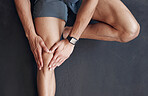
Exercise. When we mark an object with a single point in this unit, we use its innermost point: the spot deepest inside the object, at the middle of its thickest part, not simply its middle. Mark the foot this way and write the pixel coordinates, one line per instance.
(66, 31)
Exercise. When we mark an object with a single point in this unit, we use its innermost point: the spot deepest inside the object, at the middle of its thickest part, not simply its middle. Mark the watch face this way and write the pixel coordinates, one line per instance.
(73, 40)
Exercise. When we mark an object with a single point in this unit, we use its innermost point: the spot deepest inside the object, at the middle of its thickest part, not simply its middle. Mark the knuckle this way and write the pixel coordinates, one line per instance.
(34, 51)
(57, 61)
(41, 42)
(61, 56)
(39, 50)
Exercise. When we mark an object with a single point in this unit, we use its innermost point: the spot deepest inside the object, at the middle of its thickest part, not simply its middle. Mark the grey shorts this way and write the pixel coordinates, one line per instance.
(55, 8)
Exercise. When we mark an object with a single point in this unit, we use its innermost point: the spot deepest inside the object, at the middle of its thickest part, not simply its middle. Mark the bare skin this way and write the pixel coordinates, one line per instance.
(50, 30)
(118, 24)
(114, 26)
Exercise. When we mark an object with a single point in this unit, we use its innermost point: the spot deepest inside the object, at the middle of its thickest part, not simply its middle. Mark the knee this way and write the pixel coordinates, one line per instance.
(46, 57)
(130, 33)
(46, 60)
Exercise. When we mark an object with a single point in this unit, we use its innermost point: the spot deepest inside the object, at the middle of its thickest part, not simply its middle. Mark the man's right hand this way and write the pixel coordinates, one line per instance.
(37, 45)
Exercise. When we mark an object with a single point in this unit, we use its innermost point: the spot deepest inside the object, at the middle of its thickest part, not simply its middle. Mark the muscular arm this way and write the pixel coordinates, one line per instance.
(24, 11)
(36, 43)
(83, 17)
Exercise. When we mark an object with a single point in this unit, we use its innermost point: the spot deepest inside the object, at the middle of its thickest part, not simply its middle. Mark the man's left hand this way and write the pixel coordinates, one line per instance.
(62, 51)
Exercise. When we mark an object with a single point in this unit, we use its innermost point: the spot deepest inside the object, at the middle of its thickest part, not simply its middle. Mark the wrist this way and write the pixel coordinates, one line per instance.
(72, 40)
(31, 35)
(76, 36)
(67, 42)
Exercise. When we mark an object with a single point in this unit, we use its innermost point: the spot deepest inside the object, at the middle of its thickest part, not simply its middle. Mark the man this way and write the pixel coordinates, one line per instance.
(50, 16)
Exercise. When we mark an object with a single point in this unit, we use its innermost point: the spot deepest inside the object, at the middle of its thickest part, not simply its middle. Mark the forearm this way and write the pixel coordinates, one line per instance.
(83, 17)
(24, 11)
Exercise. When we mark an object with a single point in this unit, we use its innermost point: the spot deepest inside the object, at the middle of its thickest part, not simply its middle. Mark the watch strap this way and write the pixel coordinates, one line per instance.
(72, 40)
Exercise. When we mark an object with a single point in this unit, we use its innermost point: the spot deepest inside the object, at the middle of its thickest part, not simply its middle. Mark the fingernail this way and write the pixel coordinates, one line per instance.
(53, 68)
(53, 64)
(50, 66)
(47, 51)
(40, 68)
(50, 69)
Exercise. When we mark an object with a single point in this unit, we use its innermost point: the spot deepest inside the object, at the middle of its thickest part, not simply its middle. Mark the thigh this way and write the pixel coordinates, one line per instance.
(50, 30)
(49, 17)
(115, 13)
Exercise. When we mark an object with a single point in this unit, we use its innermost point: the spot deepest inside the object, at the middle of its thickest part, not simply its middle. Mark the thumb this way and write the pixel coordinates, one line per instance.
(54, 47)
(44, 47)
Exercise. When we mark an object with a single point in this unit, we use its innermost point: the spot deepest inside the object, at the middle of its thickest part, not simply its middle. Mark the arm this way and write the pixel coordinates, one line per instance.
(36, 43)
(83, 17)
(24, 11)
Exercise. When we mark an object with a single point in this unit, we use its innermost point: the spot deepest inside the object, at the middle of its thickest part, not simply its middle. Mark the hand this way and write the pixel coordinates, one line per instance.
(37, 44)
(62, 50)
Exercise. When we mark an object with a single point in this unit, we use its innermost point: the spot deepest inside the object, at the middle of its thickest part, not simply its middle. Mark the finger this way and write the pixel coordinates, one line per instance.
(53, 67)
(54, 47)
(53, 59)
(36, 59)
(61, 62)
(39, 51)
(44, 47)
(57, 60)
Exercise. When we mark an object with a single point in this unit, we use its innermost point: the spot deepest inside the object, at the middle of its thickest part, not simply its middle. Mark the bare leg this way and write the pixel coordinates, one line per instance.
(98, 31)
(117, 23)
(50, 30)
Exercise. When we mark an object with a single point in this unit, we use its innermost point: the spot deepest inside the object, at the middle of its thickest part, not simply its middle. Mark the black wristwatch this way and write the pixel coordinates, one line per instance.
(72, 40)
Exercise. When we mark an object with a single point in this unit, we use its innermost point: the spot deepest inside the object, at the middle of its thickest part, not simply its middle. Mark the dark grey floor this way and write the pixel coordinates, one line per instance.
(95, 68)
